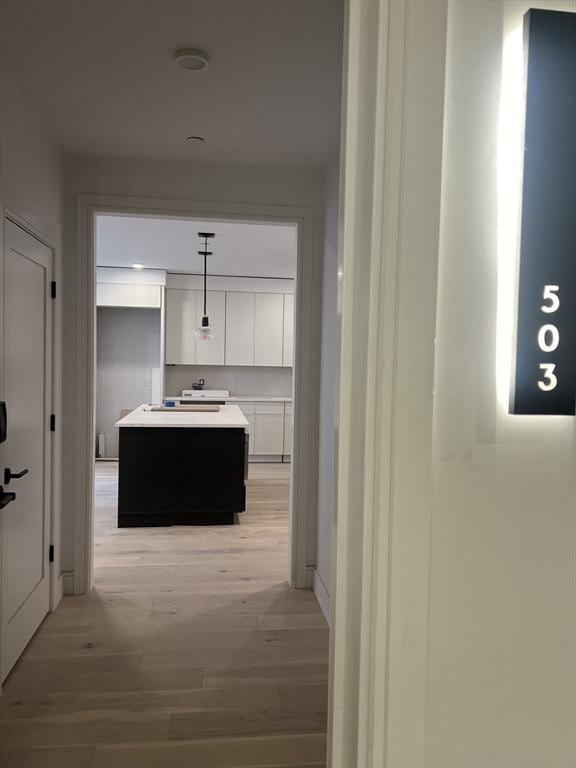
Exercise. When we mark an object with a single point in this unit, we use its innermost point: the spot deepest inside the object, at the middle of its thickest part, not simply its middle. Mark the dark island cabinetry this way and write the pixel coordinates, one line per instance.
(181, 476)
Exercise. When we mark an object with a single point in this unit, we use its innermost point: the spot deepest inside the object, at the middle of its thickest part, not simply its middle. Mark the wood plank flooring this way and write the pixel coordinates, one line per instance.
(191, 652)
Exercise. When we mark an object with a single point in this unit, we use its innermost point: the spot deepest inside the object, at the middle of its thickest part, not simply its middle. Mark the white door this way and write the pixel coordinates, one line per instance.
(181, 322)
(211, 351)
(26, 389)
(239, 328)
(268, 329)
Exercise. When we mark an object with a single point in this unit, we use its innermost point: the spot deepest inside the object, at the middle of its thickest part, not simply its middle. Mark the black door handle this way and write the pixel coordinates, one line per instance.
(5, 497)
(9, 475)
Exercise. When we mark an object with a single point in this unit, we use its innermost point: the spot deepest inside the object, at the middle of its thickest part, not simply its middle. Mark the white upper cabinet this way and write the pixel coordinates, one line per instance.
(184, 310)
(128, 295)
(211, 351)
(268, 329)
(239, 328)
(181, 322)
(288, 346)
(240, 317)
(253, 327)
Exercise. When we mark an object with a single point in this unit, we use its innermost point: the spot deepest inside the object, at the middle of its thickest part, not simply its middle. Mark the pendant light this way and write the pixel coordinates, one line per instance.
(204, 332)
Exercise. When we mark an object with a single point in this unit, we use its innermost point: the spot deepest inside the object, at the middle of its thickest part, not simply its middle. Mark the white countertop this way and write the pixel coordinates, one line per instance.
(227, 416)
(236, 399)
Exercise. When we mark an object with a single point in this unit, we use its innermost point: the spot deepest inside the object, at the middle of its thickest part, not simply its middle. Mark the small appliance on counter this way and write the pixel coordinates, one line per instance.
(198, 385)
(197, 394)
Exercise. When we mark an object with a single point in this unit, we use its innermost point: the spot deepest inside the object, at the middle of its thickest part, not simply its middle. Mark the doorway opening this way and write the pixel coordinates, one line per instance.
(149, 301)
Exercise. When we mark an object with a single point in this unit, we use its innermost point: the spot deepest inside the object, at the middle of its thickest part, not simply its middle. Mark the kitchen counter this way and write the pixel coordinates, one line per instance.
(182, 467)
(228, 416)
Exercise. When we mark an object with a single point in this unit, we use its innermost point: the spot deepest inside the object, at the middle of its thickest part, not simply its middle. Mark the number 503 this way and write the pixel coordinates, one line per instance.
(549, 337)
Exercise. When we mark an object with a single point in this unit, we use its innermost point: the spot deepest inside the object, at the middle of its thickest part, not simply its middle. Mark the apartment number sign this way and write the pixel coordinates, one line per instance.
(545, 372)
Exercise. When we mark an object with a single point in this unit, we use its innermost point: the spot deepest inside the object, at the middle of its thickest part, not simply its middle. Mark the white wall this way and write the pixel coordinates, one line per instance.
(128, 366)
(328, 433)
(31, 188)
(502, 640)
(183, 182)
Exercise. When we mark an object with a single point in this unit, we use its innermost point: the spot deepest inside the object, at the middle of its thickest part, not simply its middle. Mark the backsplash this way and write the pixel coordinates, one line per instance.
(240, 380)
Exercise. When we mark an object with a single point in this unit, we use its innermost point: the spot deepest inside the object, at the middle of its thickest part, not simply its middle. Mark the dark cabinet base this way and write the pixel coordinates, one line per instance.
(180, 476)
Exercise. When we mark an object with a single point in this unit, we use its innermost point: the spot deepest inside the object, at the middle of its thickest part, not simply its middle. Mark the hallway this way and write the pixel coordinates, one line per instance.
(191, 651)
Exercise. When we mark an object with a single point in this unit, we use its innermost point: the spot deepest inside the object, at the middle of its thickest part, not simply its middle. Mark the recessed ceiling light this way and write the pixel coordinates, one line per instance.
(137, 266)
(192, 59)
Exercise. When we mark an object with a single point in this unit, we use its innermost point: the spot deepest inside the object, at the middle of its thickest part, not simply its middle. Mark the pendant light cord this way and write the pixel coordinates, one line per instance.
(205, 253)
(205, 273)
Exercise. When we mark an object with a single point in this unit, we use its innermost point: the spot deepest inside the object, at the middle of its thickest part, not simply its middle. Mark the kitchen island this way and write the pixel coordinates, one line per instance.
(182, 468)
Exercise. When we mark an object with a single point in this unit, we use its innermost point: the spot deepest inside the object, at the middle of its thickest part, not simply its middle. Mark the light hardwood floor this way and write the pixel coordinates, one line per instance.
(191, 652)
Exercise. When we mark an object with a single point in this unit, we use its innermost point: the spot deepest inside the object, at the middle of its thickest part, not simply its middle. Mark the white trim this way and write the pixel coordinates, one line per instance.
(57, 593)
(322, 595)
(390, 215)
(304, 476)
(67, 582)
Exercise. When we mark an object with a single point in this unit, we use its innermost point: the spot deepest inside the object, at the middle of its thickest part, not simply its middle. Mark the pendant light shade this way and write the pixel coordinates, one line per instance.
(204, 332)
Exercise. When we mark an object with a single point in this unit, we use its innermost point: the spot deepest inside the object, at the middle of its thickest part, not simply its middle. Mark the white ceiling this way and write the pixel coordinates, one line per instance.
(101, 74)
(239, 248)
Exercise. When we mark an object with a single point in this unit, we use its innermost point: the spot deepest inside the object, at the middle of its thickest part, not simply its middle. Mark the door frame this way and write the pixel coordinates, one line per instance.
(54, 579)
(303, 499)
(391, 194)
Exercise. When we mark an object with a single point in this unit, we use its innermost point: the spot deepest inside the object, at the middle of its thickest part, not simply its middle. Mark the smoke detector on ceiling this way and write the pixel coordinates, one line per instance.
(192, 59)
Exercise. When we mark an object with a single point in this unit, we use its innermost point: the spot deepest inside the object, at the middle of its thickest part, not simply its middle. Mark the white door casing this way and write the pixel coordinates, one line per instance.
(391, 173)
(26, 388)
(303, 490)
(288, 341)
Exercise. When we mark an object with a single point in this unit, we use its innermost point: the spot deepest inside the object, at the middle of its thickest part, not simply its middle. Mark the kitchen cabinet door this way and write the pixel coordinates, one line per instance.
(269, 430)
(211, 351)
(268, 329)
(128, 295)
(288, 346)
(181, 322)
(239, 328)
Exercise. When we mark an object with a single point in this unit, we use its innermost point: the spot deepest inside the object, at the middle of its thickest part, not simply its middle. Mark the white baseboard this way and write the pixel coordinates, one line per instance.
(68, 582)
(322, 595)
(57, 592)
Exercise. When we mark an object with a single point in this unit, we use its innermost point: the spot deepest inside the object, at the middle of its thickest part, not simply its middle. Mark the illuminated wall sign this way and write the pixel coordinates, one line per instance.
(545, 376)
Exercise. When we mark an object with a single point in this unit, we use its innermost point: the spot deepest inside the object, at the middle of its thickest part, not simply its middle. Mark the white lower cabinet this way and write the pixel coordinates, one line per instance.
(266, 428)
(248, 411)
(269, 428)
